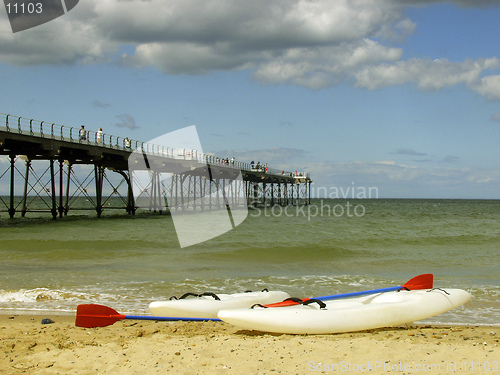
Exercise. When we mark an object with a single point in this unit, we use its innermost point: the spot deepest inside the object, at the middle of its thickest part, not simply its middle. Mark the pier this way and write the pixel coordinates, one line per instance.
(50, 168)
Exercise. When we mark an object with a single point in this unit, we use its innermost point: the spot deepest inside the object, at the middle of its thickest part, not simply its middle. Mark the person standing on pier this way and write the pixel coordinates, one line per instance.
(99, 135)
(83, 134)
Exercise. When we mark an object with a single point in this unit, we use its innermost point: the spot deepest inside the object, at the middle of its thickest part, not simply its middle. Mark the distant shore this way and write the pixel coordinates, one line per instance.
(148, 347)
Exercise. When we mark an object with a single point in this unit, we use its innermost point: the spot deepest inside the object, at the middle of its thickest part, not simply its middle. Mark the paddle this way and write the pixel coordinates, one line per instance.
(92, 315)
(424, 281)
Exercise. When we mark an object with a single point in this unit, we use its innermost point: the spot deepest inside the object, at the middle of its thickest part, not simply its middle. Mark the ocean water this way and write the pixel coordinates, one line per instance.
(332, 246)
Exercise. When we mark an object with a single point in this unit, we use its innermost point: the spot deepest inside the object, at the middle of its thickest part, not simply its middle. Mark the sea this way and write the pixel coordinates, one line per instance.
(332, 246)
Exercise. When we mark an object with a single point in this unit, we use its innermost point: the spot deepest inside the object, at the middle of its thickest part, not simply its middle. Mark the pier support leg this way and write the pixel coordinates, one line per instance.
(152, 196)
(68, 179)
(272, 193)
(189, 191)
(25, 195)
(210, 182)
(308, 193)
(130, 195)
(255, 194)
(12, 209)
(171, 201)
(61, 186)
(202, 192)
(176, 191)
(98, 170)
(159, 193)
(53, 210)
(130, 209)
(182, 178)
(217, 192)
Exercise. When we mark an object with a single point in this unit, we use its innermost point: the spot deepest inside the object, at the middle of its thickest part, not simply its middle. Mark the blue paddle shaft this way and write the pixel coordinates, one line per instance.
(363, 293)
(170, 318)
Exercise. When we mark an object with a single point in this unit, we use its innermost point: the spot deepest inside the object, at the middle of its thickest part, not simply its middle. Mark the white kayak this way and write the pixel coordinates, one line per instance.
(207, 306)
(348, 315)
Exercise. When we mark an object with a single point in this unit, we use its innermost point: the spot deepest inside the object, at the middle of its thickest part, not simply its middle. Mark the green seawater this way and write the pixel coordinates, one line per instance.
(128, 261)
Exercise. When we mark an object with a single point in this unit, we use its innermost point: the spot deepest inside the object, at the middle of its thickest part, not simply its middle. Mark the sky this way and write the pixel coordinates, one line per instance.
(398, 95)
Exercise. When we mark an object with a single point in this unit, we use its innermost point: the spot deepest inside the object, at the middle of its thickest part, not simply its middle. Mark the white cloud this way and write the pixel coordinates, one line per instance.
(324, 66)
(65, 40)
(427, 74)
(395, 180)
(489, 86)
(312, 43)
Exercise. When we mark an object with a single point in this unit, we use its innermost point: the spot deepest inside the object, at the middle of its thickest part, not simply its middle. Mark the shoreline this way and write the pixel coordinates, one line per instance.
(150, 347)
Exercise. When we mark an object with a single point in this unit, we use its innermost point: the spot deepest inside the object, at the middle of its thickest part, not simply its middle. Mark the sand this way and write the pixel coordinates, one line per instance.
(149, 347)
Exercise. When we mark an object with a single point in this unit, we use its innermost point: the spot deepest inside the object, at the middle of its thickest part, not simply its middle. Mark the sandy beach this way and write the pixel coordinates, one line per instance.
(149, 347)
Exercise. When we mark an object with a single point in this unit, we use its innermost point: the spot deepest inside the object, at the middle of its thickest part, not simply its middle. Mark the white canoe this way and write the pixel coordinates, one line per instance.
(208, 306)
(348, 315)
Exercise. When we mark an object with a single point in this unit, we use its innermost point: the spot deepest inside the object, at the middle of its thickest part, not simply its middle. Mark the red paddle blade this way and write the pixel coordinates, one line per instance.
(92, 315)
(425, 281)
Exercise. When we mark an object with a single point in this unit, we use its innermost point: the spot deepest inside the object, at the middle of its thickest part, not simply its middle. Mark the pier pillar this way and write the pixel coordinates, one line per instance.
(153, 195)
(159, 194)
(203, 182)
(130, 208)
(53, 210)
(193, 183)
(272, 193)
(280, 202)
(12, 209)
(255, 194)
(61, 186)
(99, 175)
(308, 192)
(176, 191)
(182, 178)
(25, 195)
(68, 179)
(210, 182)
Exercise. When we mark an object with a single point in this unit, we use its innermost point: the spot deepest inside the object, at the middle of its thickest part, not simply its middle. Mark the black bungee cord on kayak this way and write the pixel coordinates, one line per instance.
(442, 290)
(210, 294)
(189, 294)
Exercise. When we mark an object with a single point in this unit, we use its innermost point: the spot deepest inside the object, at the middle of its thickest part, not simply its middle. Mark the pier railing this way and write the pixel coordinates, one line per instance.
(47, 130)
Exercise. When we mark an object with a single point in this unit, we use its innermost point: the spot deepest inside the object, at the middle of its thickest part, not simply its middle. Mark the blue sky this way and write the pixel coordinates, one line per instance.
(399, 95)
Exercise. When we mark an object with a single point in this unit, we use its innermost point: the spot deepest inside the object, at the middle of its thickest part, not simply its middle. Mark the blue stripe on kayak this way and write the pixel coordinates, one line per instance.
(356, 294)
